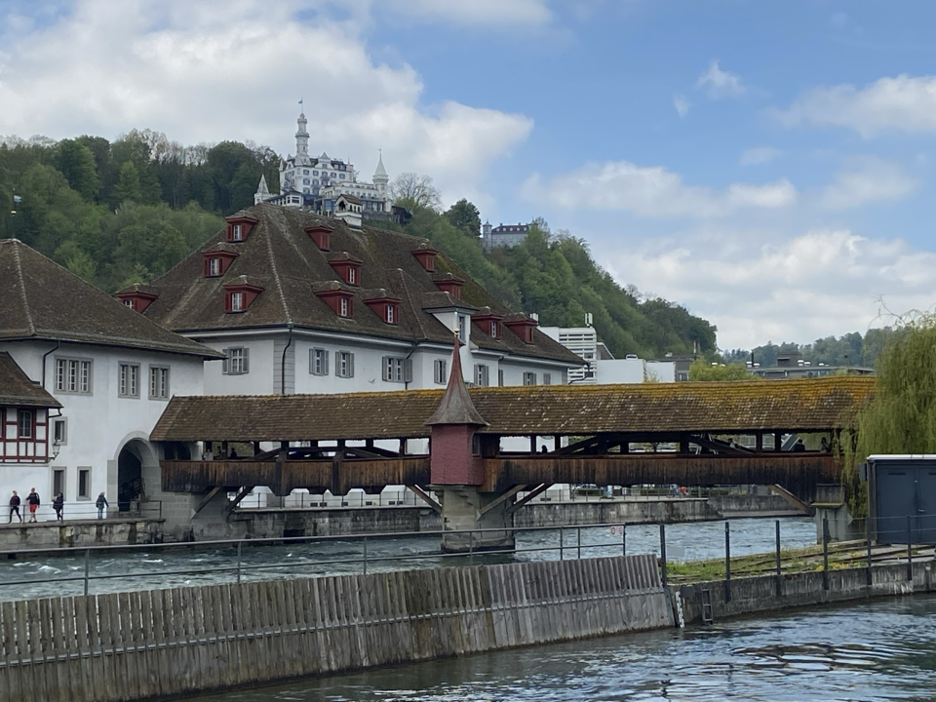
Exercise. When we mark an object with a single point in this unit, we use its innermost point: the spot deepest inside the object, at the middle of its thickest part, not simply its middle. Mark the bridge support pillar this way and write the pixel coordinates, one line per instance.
(486, 520)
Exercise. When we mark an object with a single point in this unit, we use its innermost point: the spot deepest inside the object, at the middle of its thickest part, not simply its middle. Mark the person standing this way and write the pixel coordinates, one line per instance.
(32, 499)
(101, 504)
(58, 504)
(14, 507)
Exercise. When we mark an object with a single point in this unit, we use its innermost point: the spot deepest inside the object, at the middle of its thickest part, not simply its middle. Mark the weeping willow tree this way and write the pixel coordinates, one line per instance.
(901, 416)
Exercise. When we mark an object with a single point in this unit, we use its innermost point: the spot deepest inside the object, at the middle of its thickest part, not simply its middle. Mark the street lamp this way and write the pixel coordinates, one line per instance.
(56, 447)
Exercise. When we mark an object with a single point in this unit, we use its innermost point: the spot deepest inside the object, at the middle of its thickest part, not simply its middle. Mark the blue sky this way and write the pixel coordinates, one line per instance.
(768, 165)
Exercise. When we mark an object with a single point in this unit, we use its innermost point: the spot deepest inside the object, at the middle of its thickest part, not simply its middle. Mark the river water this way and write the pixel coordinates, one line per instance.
(879, 650)
(173, 566)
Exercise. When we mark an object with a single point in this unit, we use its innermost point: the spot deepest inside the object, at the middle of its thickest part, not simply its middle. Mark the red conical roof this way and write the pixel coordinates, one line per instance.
(456, 406)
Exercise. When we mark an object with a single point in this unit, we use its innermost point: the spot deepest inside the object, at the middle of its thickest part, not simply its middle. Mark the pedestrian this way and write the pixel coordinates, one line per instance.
(799, 446)
(32, 499)
(101, 504)
(14, 507)
(57, 504)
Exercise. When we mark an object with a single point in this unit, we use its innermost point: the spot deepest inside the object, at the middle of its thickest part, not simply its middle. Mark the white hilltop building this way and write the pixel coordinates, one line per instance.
(316, 182)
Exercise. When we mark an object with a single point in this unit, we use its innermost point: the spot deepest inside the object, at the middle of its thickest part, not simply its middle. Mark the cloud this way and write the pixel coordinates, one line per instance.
(867, 181)
(758, 155)
(475, 13)
(214, 70)
(718, 83)
(821, 282)
(903, 103)
(681, 104)
(651, 192)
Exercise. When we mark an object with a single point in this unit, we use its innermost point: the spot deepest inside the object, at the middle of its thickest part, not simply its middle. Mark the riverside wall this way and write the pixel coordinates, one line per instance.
(160, 644)
(80, 532)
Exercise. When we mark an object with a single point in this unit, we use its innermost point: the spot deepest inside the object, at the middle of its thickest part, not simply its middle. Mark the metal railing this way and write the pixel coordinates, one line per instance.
(84, 510)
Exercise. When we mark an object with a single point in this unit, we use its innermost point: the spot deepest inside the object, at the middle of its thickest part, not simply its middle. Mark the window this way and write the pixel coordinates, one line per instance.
(25, 422)
(462, 328)
(237, 232)
(529, 378)
(305, 171)
(214, 267)
(482, 377)
(58, 481)
(84, 483)
(500, 378)
(391, 314)
(305, 181)
(493, 329)
(344, 362)
(237, 302)
(128, 380)
(343, 306)
(236, 362)
(352, 275)
(159, 383)
(318, 361)
(59, 431)
(314, 172)
(129, 302)
(440, 371)
(73, 375)
(397, 370)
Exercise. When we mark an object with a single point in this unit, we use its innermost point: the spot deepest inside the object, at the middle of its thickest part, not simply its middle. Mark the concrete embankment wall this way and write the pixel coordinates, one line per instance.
(759, 594)
(162, 643)
(89, 532)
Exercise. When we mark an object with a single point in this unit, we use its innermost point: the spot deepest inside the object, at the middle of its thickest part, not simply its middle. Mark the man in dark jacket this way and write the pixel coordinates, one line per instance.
(57, 504)
(14, 507)
(32, 499)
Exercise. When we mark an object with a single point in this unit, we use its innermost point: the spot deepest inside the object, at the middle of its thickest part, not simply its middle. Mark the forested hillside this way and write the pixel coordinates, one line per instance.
(126, 211)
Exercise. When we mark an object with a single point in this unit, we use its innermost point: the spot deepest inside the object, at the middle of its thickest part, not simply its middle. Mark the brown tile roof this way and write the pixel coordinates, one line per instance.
(286, 261)
(17, 390)
(819, 404)
(42, 300)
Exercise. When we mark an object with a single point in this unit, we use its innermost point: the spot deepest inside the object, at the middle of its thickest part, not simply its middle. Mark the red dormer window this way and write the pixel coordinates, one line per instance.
(321, 235)
(387, 308)
(239, 294)
(340, 301)
(238, 228)
(217, 262)
(349, 269)
(448, 283)
(523, 327)
(426, 255)
(136, 299)
(488, 323)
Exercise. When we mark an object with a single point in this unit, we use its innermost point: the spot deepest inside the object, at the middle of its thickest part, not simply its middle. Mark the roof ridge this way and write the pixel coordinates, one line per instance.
(276, 276)
(22, 285)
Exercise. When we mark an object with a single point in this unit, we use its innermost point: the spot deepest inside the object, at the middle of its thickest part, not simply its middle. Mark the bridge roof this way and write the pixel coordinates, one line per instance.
(817, 404)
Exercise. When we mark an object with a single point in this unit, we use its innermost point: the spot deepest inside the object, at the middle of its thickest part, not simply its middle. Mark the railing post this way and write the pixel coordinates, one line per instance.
(365, 554)
(471, 547)
(579, 546)
(561, 543)
(825, 553)
(623, 539)
(239, 544)
(727, 562)
(909, 550)
(87, 569)
(779, 571)
(663, 554)
(868, 575)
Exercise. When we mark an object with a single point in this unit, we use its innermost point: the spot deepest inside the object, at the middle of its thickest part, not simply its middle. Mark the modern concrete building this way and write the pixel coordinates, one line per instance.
(601, 366)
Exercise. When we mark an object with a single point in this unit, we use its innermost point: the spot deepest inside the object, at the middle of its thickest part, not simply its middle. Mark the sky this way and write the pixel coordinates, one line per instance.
(767, 165)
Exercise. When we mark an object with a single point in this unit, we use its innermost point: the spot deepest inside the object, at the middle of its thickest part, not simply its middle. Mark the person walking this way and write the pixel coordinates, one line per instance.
(57, 504)
(14, 507)
(101, 504)
(32, 499)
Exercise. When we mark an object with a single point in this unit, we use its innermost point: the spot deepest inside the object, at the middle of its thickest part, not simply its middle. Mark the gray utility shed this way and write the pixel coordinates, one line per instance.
(902, 492)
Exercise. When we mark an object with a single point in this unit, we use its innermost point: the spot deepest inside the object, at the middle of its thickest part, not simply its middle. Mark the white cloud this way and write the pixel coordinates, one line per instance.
(867, 181)
(475, 13)
(718, 83)
(235, 69)
(904, 103)
(758, 155)
(651, 192)
(822, 282)
(681, 104)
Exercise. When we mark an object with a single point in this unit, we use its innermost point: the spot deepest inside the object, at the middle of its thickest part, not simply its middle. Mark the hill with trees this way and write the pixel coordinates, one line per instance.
(122, 212)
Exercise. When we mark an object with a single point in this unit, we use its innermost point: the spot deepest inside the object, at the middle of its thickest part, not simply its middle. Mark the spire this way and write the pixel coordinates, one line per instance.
(381, 172)
(456, 406)
(302, 141)
(263, 192)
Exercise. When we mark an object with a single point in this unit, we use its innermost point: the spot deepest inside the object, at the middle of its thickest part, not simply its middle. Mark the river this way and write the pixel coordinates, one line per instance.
(174, 566)
(878, 650)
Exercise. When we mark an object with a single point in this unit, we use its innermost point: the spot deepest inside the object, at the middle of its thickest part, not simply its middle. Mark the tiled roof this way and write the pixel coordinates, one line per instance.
(285, 261)
(41, 300)
(456, 406)
(17, 390)
(819, 404)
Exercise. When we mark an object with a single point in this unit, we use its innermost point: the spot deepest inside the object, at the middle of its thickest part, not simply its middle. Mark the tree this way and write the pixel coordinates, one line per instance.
(128, 183)
(703, 370)
(76, 162)
(465, 216)
(417, 190)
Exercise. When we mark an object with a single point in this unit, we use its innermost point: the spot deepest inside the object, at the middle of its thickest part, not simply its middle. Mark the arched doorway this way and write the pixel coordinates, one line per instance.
(130, 473)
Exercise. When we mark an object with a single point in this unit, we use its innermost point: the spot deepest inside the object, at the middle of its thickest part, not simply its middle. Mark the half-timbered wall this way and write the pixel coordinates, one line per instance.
(24, 435)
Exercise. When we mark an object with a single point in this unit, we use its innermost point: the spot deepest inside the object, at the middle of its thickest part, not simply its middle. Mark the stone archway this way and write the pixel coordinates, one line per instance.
(132, 461)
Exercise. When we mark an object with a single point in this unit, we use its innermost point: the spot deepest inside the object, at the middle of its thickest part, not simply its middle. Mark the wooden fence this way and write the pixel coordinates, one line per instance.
(147, 645)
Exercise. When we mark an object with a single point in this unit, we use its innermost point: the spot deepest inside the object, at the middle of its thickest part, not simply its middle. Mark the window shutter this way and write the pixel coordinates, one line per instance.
(350, 365)
(408, 370)
(385, 367)
(246, 360)
(325, 356)
(226, 365)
